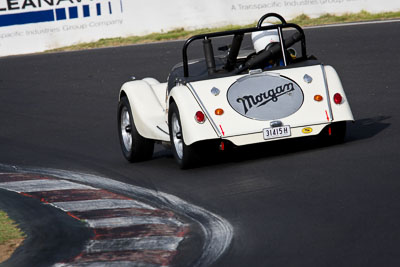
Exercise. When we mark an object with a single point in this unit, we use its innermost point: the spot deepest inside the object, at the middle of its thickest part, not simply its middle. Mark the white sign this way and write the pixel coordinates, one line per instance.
(28, 26)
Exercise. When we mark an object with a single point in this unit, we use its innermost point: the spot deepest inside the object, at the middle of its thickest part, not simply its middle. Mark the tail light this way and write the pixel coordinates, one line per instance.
(199, 117)
(337, 98)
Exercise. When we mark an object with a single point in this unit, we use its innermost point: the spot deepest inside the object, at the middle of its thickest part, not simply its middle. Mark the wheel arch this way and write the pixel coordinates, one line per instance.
(146, 110)
(342, 111)
(122, 94)
(187, 107)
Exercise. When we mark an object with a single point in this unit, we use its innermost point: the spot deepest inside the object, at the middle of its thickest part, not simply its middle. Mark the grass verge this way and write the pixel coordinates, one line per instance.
(10, 236)
(303, 20)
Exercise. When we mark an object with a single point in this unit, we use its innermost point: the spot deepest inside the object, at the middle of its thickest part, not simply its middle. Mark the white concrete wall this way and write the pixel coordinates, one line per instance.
(28, 26)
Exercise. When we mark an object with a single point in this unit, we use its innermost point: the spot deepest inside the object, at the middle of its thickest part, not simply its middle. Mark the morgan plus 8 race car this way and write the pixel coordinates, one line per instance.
(242, 97)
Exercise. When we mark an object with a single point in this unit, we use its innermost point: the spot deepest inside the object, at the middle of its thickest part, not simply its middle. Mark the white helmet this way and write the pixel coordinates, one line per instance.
(263, 38)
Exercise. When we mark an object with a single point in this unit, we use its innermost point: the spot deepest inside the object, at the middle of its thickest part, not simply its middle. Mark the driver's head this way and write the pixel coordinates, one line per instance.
(263, 38)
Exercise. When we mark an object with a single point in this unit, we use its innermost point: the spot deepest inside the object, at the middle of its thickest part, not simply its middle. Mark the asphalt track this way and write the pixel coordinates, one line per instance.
(290, 204)
(45, 229)
(115, 229)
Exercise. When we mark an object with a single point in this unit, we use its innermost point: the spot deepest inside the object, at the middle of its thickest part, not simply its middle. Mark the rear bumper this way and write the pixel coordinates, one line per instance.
(253, 138)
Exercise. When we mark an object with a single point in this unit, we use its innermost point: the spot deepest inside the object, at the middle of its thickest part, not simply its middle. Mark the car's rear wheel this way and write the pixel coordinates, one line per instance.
(183, 154)
(134, 146)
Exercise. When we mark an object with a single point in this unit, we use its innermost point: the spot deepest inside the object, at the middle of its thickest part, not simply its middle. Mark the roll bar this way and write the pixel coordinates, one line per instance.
(261, 20)
(239, 32)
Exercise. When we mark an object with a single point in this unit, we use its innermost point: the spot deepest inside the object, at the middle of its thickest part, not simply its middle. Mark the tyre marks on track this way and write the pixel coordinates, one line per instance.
(217, 233)
(127, 232)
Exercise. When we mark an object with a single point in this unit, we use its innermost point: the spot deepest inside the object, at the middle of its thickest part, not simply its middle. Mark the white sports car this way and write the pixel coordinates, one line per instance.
(243, 97)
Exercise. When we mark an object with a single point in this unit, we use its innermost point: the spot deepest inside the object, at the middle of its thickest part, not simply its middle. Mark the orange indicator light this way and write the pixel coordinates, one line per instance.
(318, 98)
(219, 111)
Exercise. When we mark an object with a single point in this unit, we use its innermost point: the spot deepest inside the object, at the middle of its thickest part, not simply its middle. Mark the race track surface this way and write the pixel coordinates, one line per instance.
(115, 229)
(45, 229)
(290, 204)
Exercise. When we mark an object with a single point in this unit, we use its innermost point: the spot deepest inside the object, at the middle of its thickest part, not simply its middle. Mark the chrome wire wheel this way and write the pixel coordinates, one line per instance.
(177, 136)
(126, 129)
(185, 155)
(134, 147)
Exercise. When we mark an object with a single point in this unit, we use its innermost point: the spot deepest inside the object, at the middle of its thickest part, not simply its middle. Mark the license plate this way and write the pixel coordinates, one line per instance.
(277, 132)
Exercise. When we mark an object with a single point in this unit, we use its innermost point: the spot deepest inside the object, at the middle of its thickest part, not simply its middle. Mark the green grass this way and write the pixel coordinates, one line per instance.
(8, 229)
(304, 20)
(181, 33)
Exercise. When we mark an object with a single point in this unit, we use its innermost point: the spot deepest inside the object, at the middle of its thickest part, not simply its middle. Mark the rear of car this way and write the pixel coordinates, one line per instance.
(270, 105)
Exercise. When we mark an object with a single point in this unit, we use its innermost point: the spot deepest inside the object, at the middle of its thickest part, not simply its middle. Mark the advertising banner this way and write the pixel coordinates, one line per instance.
(28, 26)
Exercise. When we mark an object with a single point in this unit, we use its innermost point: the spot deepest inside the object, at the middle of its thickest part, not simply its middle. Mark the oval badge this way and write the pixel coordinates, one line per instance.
(307, 130)
(265, 97)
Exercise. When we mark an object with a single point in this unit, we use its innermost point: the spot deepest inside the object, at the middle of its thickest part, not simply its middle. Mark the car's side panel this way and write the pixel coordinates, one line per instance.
(147, 109)
(341, 112)
(159, 90)
(188, 106)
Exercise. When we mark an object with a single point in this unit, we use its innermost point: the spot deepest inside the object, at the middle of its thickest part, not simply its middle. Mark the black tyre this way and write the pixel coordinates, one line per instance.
(334, 133)
(184, 155)
(134, 146)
